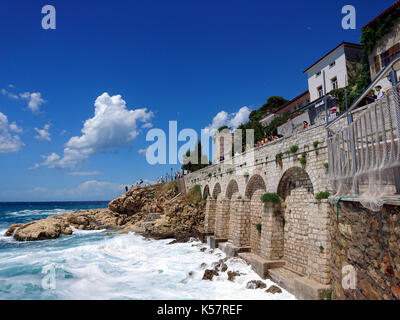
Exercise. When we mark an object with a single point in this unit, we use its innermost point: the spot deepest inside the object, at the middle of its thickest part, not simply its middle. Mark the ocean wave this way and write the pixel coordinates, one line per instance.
(37, 212)
(76, 231)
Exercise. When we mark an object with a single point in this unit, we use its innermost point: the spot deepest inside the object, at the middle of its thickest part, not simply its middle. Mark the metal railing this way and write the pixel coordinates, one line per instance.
(372, 85)
(369, 144)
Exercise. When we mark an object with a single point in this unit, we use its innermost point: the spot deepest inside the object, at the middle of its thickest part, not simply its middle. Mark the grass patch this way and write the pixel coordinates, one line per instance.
(270, 198)
(322, 195)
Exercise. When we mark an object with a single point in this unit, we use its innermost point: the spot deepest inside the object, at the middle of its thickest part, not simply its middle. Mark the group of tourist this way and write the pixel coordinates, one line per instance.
(266, 140)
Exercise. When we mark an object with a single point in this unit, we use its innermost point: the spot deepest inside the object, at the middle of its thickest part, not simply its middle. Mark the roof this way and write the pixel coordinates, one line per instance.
(394, 7)
(293, 100)
(344, 43)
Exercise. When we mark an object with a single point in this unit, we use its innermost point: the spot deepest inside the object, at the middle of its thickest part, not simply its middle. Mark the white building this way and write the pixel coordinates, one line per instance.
(336, 65)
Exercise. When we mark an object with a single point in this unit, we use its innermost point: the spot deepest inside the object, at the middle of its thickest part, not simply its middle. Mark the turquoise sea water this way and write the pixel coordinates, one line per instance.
(89, 265)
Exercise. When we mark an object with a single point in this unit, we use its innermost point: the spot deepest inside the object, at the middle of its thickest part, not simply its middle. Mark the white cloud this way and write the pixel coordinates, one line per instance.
(9, 94)
(8, 142)
(34, 100)
(142, 151)
(112, 126)
(85, 173)
(15, 128)
(232, 120)
(43, 134)
(87, 191)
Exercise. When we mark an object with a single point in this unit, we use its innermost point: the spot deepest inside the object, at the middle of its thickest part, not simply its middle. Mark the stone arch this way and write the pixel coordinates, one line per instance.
(216, 190)
(255, 183)
(232, 188)
(206, 192)
(294, 178)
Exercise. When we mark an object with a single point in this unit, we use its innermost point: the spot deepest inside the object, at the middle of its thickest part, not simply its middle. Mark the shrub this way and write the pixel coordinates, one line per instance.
(315, 144)
(209, 175)
(303, 161)
(258, 226)
(321, 249)
(322, 195)
(278, 159)
(326, 165)
(246, 174)
(270, 198)
(294, 149)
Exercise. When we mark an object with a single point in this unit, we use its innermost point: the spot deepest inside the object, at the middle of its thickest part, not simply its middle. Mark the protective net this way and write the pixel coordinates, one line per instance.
(364, 158)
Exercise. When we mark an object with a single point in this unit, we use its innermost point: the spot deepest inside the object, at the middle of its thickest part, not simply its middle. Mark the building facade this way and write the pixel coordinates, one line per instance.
(387, 47)
(336, 65)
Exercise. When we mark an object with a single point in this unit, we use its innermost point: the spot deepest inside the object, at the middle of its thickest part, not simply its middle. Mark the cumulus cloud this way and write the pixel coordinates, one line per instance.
(15, 128)
(34, 99)
(9, 142)
(43, 134)
(232, 120)
(112, 126)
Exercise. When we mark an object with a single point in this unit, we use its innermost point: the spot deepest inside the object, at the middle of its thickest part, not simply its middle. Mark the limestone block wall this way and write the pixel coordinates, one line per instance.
(369, 244)
(256, 212)
(272, 236)
(296, 229)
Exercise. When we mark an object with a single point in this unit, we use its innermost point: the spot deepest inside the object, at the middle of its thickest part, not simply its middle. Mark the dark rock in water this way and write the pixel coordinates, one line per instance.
(209, 274)
(203, 249)
(273, 289)
(224, 267)
(203, 265)
(232, 275)
(256, 284)
(191, 273)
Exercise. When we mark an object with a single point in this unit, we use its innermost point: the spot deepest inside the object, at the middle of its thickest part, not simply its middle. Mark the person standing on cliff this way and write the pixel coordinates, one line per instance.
(126, 188)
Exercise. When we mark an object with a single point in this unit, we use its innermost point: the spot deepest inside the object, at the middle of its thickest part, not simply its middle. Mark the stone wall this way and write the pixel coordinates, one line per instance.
(365, 245)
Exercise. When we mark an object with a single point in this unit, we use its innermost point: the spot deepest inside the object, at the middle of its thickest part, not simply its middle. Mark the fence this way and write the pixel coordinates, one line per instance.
(364, 156)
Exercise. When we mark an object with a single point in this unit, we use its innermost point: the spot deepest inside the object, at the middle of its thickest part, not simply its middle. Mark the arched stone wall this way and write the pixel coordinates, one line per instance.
(225, 211)
(216, 190)
(256, 212)
(293, 178)
(231, 189)
(256, 182)
(206, 192)
(248, 214)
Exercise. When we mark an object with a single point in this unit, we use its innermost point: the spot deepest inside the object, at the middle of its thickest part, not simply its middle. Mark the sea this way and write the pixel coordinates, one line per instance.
(91, 265)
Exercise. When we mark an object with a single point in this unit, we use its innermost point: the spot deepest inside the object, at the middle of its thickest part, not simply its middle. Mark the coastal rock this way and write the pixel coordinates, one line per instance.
(157, 212)
(273, 289)
(232, 275)
(13, 228)
(49, 228)
(209, 274)
(256, 284)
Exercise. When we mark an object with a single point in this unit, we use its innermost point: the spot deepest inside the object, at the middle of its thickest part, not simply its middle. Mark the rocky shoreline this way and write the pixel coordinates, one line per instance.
(157, 211)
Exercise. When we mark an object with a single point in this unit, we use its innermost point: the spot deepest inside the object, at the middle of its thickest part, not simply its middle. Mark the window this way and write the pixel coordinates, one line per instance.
(385, 58)
(377, 64)
(332, 64)
(334, 83)
(318, 74)
(320, 91)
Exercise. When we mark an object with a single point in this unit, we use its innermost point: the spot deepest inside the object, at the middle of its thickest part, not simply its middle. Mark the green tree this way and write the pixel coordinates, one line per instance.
(195, 160)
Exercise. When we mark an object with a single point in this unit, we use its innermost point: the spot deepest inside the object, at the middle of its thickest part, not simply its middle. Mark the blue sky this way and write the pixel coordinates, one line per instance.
(168, 60)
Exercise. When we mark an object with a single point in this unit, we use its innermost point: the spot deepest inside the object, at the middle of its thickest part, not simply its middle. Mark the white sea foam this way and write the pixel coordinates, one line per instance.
(76, 231)
(123, 267)
(45, 212)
